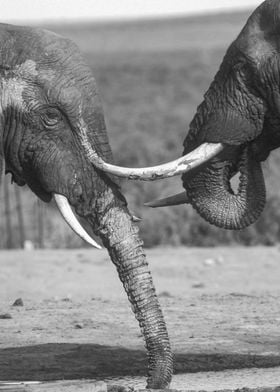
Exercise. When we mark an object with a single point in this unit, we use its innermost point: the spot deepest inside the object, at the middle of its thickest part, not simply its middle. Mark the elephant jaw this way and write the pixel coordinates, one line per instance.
(46, 193)
(69, 217)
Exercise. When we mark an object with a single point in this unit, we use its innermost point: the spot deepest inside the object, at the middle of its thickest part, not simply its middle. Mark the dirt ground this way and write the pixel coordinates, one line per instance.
(221, 306)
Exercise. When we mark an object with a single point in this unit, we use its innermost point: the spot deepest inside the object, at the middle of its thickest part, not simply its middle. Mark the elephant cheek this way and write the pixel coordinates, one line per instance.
(210, 193)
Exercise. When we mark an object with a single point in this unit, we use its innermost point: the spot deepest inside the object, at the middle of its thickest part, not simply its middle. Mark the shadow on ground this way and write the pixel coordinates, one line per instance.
(70, 361)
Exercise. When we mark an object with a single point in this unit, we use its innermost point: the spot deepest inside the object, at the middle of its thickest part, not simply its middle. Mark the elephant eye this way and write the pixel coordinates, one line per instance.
(51, 117)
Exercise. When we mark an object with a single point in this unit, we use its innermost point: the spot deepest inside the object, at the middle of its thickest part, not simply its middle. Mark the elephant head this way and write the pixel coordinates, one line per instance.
(50, 115)
(241, 114)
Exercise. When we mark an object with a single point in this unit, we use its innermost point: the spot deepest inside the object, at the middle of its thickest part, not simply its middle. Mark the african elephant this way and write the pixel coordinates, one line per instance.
(237, 125)
(50, 114)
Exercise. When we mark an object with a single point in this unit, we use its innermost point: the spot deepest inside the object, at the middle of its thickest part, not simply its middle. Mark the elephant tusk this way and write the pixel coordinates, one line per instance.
(195, 158)
(180, 198)
(136, 218)
(69, 217)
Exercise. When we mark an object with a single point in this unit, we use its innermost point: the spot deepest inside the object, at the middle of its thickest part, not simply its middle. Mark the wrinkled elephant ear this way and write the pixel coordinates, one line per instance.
(258, 39)
(249, 70)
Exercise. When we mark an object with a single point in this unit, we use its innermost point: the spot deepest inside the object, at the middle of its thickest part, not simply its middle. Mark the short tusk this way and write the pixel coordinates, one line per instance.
(136, 218)
(69, 217)
(181, 165)
(180, 198)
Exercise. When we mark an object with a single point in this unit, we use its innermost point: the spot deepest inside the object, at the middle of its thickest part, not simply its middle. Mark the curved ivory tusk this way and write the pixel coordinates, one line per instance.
(180, 198)
(181, 165)
(69, 217)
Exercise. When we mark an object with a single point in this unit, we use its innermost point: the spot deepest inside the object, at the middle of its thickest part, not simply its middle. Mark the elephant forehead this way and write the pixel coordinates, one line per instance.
(28, 69)
(60, 84)
(13, 93)
(15, 83)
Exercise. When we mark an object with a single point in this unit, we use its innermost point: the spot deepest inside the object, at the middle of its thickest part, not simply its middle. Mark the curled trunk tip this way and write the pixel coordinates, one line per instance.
(211, 195)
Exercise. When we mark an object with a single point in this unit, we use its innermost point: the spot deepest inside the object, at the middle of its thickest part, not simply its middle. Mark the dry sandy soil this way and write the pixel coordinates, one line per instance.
(221, 307)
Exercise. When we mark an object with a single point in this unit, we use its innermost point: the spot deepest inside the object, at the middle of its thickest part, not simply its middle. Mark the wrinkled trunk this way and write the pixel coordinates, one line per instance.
(120, 236)
(210, 192)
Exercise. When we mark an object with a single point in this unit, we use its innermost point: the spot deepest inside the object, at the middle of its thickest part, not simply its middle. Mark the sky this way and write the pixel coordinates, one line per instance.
(47, 10)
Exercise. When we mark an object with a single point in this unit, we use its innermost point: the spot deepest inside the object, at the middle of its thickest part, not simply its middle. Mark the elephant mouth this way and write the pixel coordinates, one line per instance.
(39, 190)
(34, 185)
(70, 218)
(44, 195)
(63, 204)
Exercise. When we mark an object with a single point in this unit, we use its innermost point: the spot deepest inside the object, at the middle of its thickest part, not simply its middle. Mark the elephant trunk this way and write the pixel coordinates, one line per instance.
(210, 193)
(120, 236)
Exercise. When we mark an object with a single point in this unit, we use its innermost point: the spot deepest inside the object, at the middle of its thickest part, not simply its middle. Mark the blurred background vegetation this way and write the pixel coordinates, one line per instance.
(151, 75)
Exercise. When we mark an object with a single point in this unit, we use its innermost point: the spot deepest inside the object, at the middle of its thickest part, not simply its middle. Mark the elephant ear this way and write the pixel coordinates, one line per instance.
(259, 41)
(251, 70)
(259, 38)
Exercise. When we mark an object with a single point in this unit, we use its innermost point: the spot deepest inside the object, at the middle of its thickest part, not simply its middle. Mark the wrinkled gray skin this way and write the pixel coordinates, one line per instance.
(48, 95)
(242, 110)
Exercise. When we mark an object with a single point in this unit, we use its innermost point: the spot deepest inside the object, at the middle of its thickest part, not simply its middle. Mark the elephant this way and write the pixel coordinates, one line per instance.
(233, 131)
(50, 114)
